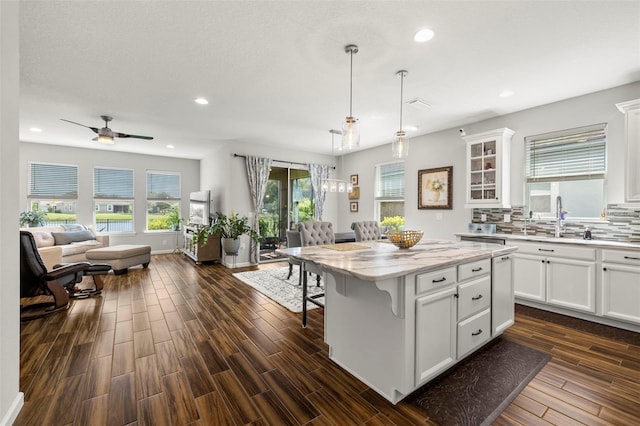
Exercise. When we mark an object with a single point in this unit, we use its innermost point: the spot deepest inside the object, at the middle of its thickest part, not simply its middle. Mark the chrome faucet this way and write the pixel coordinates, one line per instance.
(558, 227)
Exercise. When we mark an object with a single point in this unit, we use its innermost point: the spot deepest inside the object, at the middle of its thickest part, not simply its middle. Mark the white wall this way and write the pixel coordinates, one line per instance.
(446, 148)
(226, 177)
(11, 400)
(87, 159)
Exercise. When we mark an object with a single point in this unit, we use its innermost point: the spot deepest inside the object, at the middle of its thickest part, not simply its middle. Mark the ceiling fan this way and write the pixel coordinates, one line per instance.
(106, 135)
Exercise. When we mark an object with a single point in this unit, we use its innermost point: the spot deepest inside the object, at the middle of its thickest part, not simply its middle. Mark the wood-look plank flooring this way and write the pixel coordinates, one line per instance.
(182, 344)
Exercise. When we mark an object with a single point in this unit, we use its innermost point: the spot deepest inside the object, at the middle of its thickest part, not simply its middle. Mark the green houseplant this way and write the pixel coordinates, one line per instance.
(229, 228)
(32, 218)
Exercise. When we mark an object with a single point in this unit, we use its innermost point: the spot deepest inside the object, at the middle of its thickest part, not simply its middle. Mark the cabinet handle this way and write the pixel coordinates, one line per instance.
(549, 250)
(548, 261)
(604, 269)
(476, 269)
(632, 258)
(505, 258)
(477, 333)
(542, 261)
(439, 281)
(478, 297)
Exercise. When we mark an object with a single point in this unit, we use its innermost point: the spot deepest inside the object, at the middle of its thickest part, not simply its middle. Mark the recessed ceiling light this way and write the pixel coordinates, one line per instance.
(506, 93)
(412, 128)
(423, 35)
(35, 129)
(202, 101)
(170, 146)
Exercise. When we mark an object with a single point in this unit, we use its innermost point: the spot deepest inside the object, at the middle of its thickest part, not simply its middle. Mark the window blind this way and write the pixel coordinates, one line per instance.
(53, 181)
(390, 181)
(163, 186)
(575, 154)
(112, 183)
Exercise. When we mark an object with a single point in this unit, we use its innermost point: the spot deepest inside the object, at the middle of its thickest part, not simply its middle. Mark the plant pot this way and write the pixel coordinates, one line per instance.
(231, 246)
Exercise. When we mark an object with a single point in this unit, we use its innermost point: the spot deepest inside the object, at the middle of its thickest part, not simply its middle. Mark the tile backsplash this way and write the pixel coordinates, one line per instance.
(622, 223)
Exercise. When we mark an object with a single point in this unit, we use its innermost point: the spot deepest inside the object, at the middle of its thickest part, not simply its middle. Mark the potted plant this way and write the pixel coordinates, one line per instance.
(229, 228)
(32, 218)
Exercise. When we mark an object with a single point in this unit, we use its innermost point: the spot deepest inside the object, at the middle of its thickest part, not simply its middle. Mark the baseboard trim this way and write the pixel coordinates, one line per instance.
(12, 414)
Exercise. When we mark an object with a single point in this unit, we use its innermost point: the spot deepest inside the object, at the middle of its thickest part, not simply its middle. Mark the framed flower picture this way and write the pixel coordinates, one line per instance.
(353, 206)
(435, 188)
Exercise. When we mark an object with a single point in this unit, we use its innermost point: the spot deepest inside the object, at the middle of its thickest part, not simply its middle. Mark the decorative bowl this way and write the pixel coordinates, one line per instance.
(404, 239)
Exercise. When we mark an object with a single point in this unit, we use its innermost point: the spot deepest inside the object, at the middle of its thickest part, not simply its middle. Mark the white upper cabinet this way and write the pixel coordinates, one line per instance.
(488, 169)
(631, 111)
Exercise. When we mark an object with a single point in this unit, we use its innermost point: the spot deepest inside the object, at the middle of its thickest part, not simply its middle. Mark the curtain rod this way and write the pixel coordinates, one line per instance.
(280, 161)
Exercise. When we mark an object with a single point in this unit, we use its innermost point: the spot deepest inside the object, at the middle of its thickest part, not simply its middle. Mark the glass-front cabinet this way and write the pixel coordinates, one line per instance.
(488, 169)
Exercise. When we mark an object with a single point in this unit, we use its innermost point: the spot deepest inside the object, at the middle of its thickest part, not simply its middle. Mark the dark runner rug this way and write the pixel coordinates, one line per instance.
(476, 390)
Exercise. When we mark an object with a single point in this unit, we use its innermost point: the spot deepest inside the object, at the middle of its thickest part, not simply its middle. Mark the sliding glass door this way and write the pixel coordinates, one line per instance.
(288, 200)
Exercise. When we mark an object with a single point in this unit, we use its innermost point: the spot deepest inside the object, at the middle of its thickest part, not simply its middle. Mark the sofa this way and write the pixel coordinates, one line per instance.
(66, 243)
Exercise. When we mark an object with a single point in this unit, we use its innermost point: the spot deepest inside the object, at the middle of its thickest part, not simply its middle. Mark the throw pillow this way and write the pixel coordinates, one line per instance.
(74, 227)
(63, 238)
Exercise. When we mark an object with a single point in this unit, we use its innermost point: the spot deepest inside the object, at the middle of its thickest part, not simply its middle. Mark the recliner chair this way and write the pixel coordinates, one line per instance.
(36, 280)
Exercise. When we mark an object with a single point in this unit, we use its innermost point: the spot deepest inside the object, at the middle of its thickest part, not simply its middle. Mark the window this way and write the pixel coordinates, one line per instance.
(570, 164)
(113, 198)
(163, 200)
(389, 195)
(53, 189)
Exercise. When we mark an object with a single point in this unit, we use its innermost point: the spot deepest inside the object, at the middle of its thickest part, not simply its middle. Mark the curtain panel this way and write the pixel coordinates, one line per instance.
(318, 173)
(258, 175)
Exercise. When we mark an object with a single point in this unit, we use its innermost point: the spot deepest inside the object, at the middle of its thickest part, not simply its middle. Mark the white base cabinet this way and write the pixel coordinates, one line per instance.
(620, 294)
(502, 294)
(436, 333)
(560, 276)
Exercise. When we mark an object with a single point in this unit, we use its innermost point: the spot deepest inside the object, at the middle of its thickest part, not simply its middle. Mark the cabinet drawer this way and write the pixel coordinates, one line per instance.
(473, 332)
(430, 280)
(474, 296)
(474, 269)
(558, 250)
(628, 257)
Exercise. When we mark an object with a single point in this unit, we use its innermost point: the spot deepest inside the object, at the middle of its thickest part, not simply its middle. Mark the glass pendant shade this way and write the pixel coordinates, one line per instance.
(350, 134)
(342, 186)
(333, 186)
(325, 186)
(400, 144)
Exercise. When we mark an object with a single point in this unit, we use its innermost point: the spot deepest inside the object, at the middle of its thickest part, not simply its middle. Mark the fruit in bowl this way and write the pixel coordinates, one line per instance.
(404, 239)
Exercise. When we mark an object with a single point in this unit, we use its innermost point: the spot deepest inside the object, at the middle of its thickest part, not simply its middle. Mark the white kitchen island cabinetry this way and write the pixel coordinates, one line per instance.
(394, 318)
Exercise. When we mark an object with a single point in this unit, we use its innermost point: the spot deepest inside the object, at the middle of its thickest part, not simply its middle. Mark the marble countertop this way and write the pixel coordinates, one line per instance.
(543, 239)
(378, 260)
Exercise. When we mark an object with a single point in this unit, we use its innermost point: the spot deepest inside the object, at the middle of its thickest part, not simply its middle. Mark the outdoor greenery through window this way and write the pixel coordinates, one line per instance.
(389, 194)
(53, 189)
(570, 164)
(163, 200)
(113, 198)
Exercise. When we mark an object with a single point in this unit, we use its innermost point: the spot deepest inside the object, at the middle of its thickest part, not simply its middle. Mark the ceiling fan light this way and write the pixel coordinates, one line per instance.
(105, 139)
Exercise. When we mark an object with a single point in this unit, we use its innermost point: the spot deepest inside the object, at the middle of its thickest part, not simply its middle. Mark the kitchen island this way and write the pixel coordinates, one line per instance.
(396, 318)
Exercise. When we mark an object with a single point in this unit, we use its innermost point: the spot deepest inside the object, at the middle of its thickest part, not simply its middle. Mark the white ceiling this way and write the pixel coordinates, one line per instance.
(275, 72)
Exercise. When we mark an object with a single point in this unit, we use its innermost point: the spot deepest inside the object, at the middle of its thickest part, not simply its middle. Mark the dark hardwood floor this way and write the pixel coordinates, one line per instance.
(180, 344)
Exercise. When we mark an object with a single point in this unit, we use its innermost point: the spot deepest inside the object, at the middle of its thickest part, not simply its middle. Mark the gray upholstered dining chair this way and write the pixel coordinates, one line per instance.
(366, 230)
(293, 240)
(313, 234)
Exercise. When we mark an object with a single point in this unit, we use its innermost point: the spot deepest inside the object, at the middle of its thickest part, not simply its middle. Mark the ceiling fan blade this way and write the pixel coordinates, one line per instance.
(125, 135)
(95, 129)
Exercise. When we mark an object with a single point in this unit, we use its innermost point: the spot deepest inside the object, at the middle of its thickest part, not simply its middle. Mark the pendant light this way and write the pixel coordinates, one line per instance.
(336, 185)
(400, 144)
(351, 125)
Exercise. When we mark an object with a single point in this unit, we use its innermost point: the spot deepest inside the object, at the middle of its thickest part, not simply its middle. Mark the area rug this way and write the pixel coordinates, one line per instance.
(476, 390)
(274, 284)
